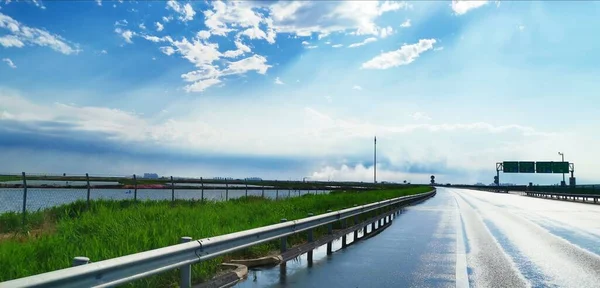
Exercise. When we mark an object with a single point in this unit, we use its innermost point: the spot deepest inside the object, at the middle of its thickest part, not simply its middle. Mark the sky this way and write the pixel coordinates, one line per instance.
(287, 90)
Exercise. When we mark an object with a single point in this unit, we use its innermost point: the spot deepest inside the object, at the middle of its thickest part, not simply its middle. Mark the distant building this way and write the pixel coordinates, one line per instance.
(150, 176)
(253, 179)
(222, 178)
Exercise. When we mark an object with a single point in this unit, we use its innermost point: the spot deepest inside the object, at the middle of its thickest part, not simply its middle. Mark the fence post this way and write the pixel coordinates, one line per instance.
(87, 179)
(77, 261)
(246, 190)
(330, 232)
(24, 199)
(185, 272)
(172, 190)
(283, 240)
(134, 188)
(263, 189)
(310, 240)
(344, 226)
(289, 192)
(202, 187)
(355, 223)
(226, 190)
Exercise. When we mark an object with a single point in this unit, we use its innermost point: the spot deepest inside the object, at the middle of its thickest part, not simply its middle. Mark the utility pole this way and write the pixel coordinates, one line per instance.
(375, 161)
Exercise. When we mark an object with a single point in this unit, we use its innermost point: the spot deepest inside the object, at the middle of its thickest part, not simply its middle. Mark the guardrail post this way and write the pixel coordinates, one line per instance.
(77, 261)
(134, 188)
(202, 187)
(309, 255)
(283, 240)
(330, 232)
(185, 272)
(87, 180)
(24, 199)
(172, 190)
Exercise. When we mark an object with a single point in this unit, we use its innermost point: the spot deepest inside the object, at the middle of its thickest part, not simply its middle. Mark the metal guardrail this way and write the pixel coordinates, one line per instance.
(121, 270)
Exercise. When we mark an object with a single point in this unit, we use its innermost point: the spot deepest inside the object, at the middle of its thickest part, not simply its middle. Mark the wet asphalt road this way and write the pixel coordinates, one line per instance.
(461, 238)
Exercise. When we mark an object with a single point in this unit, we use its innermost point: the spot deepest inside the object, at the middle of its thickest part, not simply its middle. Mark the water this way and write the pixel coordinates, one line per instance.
(11, 199)
(417, 250)
(60, 183)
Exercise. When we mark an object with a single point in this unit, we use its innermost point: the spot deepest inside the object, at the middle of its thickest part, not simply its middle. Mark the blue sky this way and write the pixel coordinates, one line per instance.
(292, 89)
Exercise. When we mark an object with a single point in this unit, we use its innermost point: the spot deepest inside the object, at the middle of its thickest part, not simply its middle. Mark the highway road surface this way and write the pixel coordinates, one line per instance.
(462, 238)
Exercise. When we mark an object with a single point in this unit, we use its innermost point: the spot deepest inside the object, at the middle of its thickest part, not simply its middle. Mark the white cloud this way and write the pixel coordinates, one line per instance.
(126, 34)
(403, 56)
(461, 7)
(386, 31)
(337, 45)
(167, 50)
(203, 34)
(405, 24)
(203, 55)
(304, 18)
(226, 17)
(360, 172)
(305, 43)
(368, 40)
(186, 12)
(328, 43)
(312, 47)
(167, 19)
(99, 2)
(241, 49)
(39, 4)
(11, 41)
(438, 48)
(356, 87)
(19, 35)
(253, 63)
(142, 26)
(103, 52)
(9, 63)
(521, 27)
(278, 81)
(202, 85)
(420, 116)
(159, 27)
(121, 22)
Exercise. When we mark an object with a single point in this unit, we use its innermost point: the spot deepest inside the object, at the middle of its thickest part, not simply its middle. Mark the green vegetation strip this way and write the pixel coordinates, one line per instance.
(111, 229)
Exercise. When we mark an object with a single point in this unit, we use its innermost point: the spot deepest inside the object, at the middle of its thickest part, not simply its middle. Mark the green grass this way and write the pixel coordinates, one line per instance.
(4, 178)
(110, 229)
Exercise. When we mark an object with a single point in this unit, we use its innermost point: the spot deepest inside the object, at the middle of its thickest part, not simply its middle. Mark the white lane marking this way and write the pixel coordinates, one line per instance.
(462, 276)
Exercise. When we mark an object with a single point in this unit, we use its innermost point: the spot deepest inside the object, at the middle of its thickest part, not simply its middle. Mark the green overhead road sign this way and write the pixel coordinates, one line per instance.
(560, 167)
(526, 167)
(543, 167)
(510, 167)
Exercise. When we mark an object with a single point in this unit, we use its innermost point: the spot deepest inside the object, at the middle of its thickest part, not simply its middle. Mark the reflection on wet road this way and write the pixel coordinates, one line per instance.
(461, 238)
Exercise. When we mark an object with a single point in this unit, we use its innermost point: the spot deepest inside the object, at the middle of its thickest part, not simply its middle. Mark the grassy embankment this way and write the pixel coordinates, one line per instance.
(110, 229)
